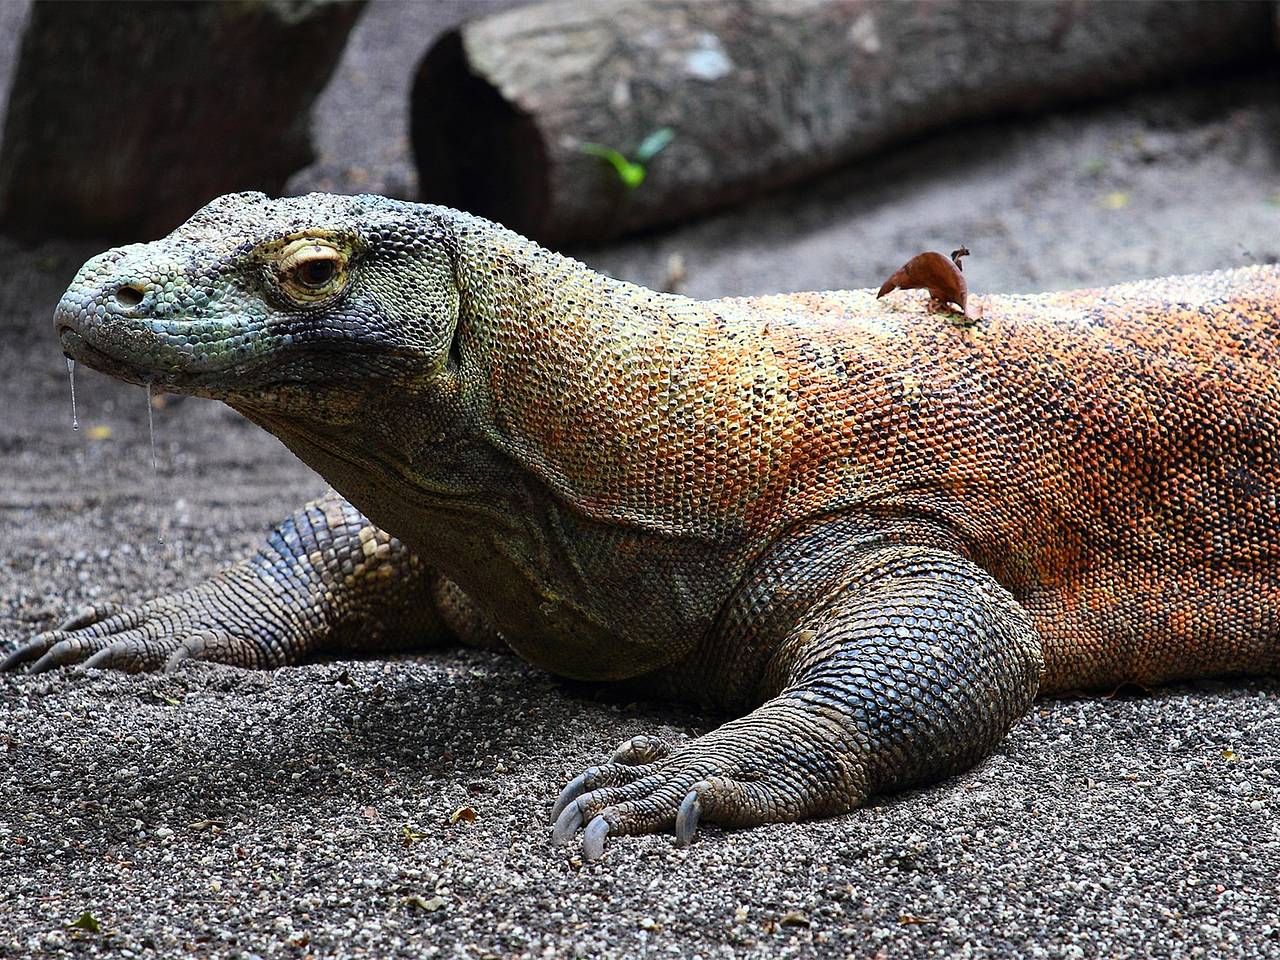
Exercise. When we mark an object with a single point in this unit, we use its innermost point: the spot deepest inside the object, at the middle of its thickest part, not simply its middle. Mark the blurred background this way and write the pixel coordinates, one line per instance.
(719, 147)
(711, 148)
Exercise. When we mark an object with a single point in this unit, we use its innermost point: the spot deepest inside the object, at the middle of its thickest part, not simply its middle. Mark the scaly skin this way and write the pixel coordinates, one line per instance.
(870, 533)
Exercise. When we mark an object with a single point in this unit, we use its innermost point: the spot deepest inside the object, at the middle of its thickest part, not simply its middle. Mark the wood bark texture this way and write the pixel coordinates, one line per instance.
(124, 118)
(762, 93)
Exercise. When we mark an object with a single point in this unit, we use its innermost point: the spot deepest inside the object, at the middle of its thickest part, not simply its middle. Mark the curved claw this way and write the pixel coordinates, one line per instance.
(98, 659)
(573, 789)
(567, 824)
(593, 838)
(87, 616)
(177, 659)
(23, 654)
(45, 663)
(687, 817)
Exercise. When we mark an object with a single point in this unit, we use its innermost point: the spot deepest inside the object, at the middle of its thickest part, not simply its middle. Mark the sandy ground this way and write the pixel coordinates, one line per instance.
(307, 811)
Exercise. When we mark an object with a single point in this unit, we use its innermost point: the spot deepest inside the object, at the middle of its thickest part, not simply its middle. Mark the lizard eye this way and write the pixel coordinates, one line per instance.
(311, 269)
(316, 273)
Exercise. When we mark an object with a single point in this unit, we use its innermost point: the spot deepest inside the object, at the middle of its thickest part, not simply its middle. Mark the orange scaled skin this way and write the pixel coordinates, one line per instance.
(1111, 456)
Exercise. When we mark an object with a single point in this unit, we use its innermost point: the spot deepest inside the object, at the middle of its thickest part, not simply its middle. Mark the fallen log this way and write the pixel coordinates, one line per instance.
(125, 117)
(761, 93)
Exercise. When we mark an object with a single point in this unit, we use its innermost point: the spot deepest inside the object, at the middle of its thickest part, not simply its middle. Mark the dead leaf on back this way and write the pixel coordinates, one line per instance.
(936, 273)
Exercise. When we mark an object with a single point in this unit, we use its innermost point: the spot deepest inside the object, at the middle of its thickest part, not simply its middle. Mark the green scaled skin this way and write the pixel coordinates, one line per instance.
(870, 535)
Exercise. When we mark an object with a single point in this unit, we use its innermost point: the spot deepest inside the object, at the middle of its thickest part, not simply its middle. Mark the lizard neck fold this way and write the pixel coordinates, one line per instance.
(636, 408)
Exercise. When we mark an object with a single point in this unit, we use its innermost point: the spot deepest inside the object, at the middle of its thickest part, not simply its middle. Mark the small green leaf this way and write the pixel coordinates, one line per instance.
(87, 921)
(654, 144)
(631, 174)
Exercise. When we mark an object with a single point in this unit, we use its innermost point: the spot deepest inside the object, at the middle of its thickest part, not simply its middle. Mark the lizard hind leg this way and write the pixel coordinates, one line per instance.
(912, 670)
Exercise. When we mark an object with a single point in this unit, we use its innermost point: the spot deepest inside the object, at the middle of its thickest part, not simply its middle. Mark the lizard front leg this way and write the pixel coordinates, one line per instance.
(326, 580)
(912, 667)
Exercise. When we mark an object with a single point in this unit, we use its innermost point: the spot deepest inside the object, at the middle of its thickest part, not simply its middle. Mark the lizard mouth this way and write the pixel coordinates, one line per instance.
(75, 347)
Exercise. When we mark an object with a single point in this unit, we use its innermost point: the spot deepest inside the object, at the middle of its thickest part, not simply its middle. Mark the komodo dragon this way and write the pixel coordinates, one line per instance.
(870, 534)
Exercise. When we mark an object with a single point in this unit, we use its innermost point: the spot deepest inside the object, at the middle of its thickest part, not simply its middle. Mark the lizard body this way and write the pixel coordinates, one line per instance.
(872, 534)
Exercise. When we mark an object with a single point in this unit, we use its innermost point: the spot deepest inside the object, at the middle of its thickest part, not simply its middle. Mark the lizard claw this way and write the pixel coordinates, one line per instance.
(687, 816)
(46, 663)
(24, 653)
(593, 838)
(176, 659)
(567, 824)
(573, 789)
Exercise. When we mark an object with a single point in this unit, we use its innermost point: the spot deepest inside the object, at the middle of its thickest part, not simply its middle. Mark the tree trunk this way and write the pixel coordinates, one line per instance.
(761, 93)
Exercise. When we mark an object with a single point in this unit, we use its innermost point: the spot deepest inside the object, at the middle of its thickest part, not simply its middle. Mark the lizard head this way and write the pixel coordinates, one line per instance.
(294, 306)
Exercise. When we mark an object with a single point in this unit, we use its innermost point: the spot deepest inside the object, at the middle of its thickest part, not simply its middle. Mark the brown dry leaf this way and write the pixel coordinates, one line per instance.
(463, 814)
(909, 918)
(795, 918)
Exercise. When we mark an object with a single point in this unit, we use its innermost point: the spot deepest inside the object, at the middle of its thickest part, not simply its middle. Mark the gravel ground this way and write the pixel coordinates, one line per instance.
(307, 811)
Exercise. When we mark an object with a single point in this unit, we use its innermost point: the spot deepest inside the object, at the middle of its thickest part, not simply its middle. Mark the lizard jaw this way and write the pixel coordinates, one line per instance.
(75, 347)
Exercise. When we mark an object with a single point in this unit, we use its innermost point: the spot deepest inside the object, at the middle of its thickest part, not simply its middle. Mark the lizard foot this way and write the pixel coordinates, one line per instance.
(728, 776)
(616, 799)
(216, 621)
(129, 641)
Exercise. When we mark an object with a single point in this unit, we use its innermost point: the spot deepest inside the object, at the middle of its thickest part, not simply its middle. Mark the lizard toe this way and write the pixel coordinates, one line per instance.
(641, 750)
(605, 775)
(87, 616)
(133, 650)
(83, 635)
(215, 646)
(727, 781)
(33, 648)
(583, 809)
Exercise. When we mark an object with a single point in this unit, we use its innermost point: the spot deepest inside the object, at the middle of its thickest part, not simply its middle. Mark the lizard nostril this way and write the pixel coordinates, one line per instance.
(129, 295)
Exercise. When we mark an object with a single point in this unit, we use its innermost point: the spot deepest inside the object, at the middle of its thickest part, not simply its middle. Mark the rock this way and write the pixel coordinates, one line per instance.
(123, 119)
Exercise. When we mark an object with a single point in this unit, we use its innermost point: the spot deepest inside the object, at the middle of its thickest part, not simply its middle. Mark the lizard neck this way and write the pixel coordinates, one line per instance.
(616, 398)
